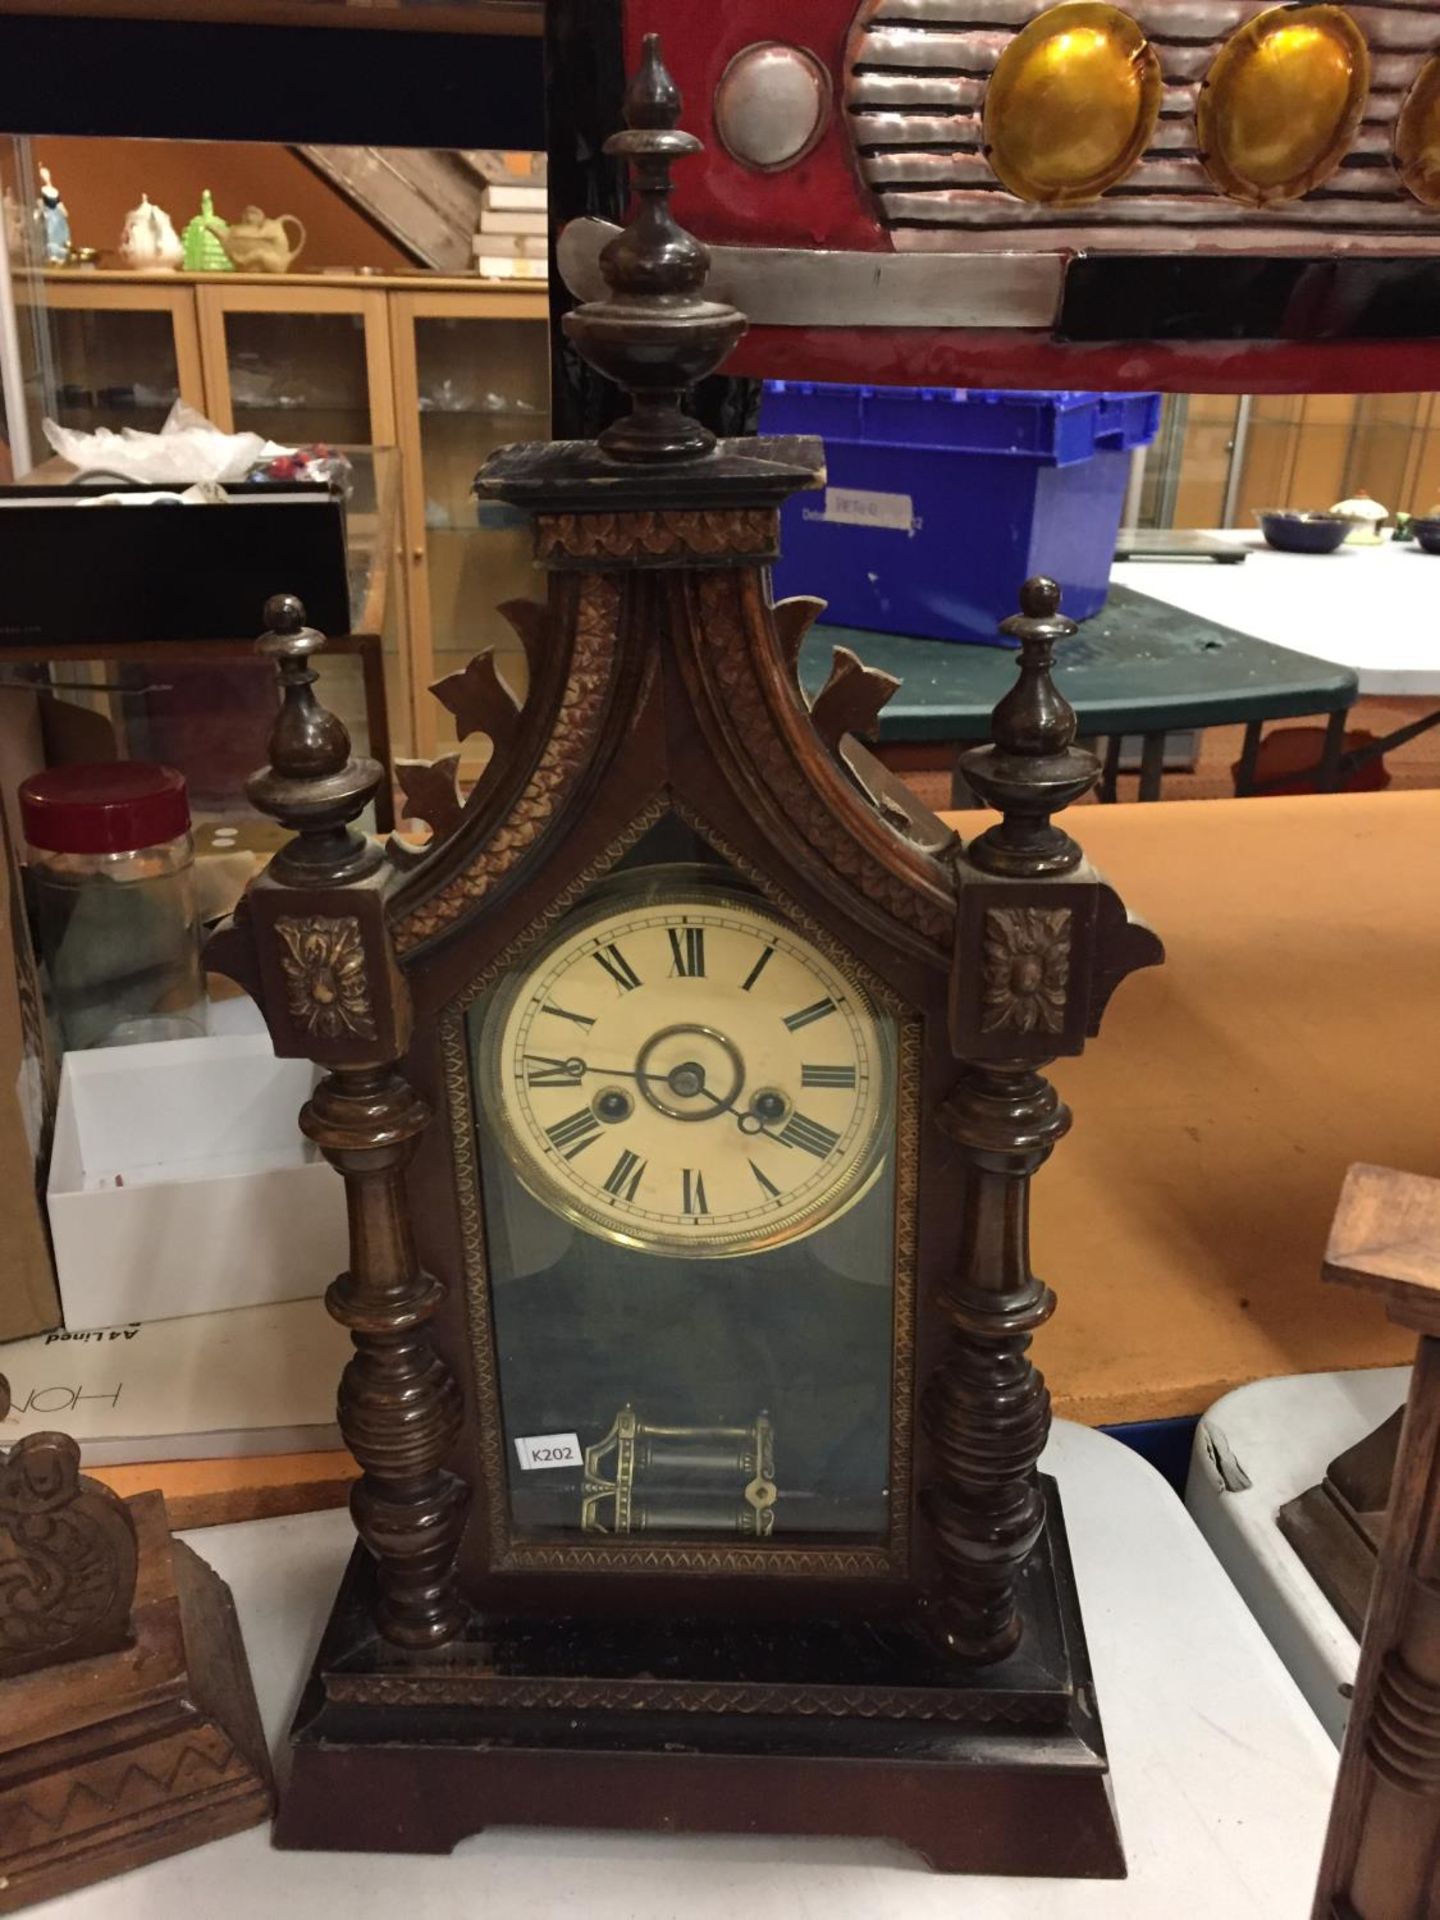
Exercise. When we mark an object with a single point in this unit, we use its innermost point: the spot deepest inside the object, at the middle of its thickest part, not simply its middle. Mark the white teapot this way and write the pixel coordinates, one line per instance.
(149, 241)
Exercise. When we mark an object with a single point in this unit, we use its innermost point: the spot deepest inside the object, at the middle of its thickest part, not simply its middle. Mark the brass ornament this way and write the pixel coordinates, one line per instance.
(1280, 106)
(647, 1478)
(1417, 136)
(326, 988)
(1027, 969)
(1072, 104)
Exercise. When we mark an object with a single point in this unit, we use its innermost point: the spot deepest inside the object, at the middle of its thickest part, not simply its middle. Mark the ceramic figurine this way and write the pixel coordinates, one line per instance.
(258, 245)
(1366, 516)
(53, 218)
(149, 242)
(204, 247)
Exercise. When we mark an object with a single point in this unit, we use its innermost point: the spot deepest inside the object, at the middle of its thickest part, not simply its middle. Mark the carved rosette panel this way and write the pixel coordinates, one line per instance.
(572, 739)
(1026, 967)
(67, 1558)
(327, 989)
(917, 902)
(689, 535)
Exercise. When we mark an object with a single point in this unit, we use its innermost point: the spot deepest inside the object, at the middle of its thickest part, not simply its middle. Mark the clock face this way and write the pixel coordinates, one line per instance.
(682, 1072)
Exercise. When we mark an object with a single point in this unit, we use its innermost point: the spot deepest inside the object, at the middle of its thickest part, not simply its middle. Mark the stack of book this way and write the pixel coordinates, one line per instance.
(511, 243)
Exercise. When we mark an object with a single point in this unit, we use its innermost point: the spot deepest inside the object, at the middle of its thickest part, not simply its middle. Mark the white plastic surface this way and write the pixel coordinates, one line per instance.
(1376, 609)
(1222, 1773)
(1256, 1449)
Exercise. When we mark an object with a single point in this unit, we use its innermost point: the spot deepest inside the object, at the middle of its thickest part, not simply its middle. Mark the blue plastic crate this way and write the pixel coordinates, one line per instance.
(940, 501)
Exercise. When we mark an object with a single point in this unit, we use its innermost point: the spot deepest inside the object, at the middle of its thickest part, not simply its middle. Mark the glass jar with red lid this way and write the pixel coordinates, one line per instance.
(112, 869)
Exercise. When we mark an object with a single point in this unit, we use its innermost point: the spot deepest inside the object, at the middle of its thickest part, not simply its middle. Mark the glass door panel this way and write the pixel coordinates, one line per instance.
(299, 377)
(114, 367)
(481, 382)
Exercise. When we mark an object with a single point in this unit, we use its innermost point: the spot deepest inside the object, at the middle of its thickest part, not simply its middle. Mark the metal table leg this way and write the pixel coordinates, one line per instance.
(1333, 751)
(1152, 765)
(1111, 773)
(1249, 754)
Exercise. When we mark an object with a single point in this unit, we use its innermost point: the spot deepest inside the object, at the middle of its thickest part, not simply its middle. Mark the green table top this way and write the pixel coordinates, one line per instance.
(1140, 666)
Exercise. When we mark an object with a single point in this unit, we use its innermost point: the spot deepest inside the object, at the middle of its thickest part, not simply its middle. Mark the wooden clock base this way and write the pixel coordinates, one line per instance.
(110, 1762)
(711, 1727)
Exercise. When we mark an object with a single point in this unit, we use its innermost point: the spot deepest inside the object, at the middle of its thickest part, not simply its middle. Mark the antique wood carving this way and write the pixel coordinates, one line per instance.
(1382, 1853)
(687, 1092)
(128, 1727)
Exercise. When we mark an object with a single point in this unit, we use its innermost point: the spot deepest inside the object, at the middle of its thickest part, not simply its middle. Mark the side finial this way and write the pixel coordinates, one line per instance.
(1033, 769)
(312, 785)
(655, 335)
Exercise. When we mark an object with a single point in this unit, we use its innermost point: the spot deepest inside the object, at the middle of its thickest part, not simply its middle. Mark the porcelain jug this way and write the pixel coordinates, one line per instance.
(258, 245)
(149, 240)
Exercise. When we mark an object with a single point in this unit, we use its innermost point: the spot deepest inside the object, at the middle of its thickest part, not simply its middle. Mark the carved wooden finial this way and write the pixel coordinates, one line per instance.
(1033, 769)
(313, 784)
(655, 335)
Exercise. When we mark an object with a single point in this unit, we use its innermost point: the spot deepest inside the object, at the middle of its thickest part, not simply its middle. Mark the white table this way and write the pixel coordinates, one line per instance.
(1222, 1773)
(1256, 1449)
(1374, 609)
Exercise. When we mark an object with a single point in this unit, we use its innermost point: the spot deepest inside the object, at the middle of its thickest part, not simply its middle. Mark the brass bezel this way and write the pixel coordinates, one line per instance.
(692, 885)
(1243, 45)
(1417, 163)
(1132, 47)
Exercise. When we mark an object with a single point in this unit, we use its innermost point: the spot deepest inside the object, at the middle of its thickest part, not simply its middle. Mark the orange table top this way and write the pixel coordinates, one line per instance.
(1294, 1028)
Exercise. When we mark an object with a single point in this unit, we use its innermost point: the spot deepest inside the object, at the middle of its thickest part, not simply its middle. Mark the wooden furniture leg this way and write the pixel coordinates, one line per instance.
(1382, 1853)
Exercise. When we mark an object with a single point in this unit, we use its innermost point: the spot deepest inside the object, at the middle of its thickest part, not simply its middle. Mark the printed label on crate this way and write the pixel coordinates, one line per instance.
(861, 507)
(550, 1450)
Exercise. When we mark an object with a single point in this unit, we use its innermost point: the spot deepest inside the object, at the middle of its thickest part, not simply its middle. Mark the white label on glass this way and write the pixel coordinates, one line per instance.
(550, 1450)
(859, 507)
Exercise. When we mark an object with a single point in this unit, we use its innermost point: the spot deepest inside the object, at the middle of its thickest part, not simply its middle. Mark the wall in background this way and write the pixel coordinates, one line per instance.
(101, 180)
(1308, 451)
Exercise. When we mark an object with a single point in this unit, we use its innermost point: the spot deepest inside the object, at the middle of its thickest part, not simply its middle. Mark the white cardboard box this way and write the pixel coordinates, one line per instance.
(180, 1182)
(210, 1386)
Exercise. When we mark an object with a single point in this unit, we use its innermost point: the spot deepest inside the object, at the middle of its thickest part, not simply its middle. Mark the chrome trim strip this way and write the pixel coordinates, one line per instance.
(805, 287)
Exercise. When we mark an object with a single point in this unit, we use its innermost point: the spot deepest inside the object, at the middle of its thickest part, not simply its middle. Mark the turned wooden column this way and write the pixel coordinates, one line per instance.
(1034, 928)
(1382, 1853)
(987, 1408)
(315, 932)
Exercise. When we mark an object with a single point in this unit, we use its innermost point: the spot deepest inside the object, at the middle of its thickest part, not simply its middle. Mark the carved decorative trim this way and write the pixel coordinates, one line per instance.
(67, 1556)
(563, 1695)
(327, 989)
(1026, 969)
(80, 1804)
(508, 1554)
(577, 722)
(726, 635)
(751, 532)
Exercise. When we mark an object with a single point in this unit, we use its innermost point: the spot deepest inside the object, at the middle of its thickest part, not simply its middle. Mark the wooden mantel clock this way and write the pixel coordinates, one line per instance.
(687, 1094)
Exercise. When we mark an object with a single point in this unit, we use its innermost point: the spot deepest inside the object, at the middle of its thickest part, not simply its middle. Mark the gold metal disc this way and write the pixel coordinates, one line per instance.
(1072, 104)
(1417, 136)
(1281, 103)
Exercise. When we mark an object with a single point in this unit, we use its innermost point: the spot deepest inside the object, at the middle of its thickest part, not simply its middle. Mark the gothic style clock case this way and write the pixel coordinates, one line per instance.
(687, 1094)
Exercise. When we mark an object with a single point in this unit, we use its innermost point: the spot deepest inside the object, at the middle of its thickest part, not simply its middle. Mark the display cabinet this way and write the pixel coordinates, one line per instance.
(440, 370)
(123, 359)
(471, 373)
(297, 363)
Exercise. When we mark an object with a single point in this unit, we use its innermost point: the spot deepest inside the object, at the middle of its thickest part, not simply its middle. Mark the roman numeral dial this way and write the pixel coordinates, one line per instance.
(679, 1069)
